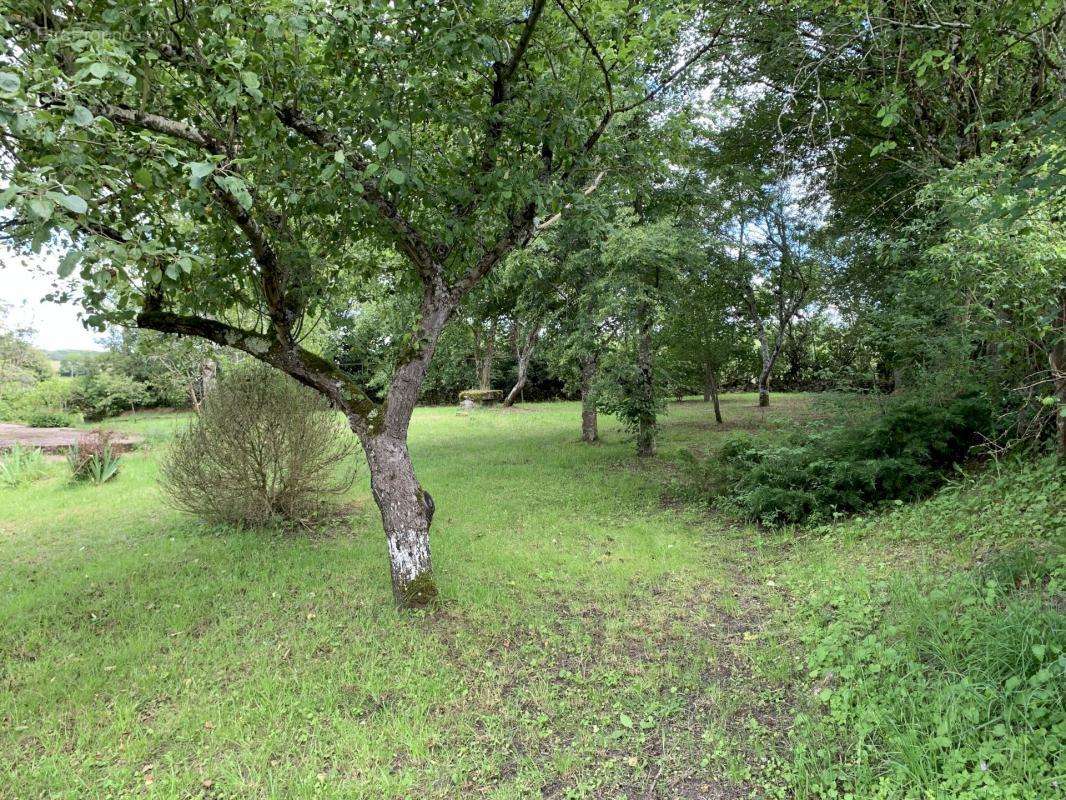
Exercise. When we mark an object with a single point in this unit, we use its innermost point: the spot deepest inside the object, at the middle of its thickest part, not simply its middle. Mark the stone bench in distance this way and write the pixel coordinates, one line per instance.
(471, 398)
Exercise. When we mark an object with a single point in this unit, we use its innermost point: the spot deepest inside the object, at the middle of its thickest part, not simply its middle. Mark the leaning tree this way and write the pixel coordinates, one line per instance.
(217, 170)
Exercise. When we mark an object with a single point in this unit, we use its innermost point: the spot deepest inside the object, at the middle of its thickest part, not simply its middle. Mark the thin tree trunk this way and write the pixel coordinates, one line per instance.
(484, 349)
(524, 353)
(769, 359)
(406, 514)
(897, 380)
(1057, 359)
(202, 384)
(710, 391)
(589, 419)
(646, 388)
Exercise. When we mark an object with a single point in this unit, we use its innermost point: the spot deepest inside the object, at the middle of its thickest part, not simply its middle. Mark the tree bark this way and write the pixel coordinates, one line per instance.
(764, 386)
(406, 514)
(524, 352)
(646, 387)
(201, 385)
(710, 390)
(484, 349)
(589, 419)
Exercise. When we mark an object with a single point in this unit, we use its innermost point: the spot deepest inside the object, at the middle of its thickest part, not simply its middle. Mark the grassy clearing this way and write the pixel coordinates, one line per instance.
(596, 639)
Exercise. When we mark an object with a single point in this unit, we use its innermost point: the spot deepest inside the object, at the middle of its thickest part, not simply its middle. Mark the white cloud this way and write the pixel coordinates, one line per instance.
(23, 284)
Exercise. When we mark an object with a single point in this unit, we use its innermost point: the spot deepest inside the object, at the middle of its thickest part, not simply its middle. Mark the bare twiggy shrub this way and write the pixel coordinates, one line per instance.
(94, 458)
(262, 449)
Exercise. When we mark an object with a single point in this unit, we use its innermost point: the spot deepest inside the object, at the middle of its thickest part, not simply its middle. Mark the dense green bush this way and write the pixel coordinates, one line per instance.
(50, 418)
(19, 401)
(901, 455)
(106, 394)
(262, 449)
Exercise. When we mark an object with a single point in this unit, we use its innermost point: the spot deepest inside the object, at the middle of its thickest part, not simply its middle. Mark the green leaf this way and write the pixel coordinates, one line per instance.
(8, 194)
(42, 207)
(99, 70)
(199, 170)
(339, 156)
(626, 720)
(143, 178)
(83, 116)
(250, 81)
(71, 202)
(173, 271)
(396, 176)
(1038, 651)
(9, 82)
(69, 262)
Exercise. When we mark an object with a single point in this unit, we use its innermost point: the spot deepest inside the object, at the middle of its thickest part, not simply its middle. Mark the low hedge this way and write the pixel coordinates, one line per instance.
(901, 455)
(52, 419)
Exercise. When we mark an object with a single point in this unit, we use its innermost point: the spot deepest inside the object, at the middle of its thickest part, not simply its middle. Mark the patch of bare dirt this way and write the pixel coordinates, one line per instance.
(56, 440)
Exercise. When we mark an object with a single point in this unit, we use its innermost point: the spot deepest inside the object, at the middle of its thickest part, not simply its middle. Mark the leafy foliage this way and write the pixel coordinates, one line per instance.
(984, 271)
(263, 449)
(51, 419)
(959, 687)
(19, 401)
(898, 456)
(106, 393)
(20, 465)
(950, 683)
(20, 362)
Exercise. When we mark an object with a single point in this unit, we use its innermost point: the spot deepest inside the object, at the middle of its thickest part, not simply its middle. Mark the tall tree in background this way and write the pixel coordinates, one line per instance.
(582, 334)
(879, 101)
(700, 332)
(213, 171)
(532, 276)
(776, 268)
(179, 371)
(643, 259)
(20, 362)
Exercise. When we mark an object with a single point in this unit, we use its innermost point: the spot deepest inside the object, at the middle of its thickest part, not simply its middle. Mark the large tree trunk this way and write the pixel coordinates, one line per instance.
(406, 513)
(406, 508)
(646, 387)
(589, 420)
(710, 390)
(524, 352)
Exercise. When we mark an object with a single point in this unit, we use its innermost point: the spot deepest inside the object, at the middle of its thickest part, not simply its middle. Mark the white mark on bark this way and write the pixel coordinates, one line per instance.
(408, 555)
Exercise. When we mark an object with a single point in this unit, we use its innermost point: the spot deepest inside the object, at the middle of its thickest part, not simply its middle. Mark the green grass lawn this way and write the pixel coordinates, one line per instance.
(596, 639)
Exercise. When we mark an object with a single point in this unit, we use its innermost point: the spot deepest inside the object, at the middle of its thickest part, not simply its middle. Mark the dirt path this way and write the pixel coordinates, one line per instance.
(54, 440)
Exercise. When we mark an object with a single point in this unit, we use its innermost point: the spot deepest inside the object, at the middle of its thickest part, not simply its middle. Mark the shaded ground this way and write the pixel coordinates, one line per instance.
(54, 440)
